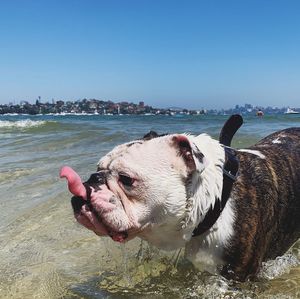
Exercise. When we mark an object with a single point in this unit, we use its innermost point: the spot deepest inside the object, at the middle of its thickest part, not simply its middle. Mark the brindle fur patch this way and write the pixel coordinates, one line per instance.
(266, 198)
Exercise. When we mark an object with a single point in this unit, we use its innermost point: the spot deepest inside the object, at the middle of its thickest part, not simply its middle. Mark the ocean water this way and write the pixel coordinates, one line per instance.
(44, 253)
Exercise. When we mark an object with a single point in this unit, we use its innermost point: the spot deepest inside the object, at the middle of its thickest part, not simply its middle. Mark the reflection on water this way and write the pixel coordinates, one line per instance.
(45, 254)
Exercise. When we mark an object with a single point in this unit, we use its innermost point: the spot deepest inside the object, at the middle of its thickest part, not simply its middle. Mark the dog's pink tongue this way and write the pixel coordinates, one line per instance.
(74, 181)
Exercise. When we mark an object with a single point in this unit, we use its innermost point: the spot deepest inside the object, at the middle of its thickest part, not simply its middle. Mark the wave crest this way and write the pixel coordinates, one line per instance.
(21, 124)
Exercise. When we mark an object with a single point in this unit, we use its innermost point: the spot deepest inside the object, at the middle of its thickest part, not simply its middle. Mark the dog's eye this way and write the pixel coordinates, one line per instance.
(126, 180)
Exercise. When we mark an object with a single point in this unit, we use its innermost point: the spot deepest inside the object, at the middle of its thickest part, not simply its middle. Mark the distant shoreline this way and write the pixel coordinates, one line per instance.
(98, 107)
(146, 114)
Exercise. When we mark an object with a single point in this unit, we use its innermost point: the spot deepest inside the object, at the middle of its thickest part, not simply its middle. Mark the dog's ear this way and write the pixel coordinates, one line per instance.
(192, 156)
(150, 135)
(153, 134)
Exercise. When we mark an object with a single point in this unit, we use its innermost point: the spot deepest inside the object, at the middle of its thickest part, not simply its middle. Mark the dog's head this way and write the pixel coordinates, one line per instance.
(144, 188)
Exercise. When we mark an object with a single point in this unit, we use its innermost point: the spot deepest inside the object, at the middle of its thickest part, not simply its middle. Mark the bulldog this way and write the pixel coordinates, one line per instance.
(230, 209)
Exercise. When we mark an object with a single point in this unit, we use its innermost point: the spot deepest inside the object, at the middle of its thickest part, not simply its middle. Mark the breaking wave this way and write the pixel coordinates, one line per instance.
(22, 124)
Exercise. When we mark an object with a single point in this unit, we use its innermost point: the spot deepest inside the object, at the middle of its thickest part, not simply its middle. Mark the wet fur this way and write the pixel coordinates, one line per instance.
(262, 217)
(266, 200)
(180, 177)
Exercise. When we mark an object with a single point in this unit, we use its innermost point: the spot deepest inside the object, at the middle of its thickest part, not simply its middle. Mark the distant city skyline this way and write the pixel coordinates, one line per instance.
(165, 105)
(100, 107)
(191, 54)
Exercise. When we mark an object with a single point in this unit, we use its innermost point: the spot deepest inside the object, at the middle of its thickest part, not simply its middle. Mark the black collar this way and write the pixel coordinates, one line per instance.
(230, 170)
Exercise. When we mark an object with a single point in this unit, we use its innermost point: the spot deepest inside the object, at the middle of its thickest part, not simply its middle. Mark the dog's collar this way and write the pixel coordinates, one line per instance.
(230, 171)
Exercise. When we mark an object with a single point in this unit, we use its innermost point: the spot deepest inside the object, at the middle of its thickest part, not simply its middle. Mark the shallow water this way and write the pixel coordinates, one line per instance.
(45, 254)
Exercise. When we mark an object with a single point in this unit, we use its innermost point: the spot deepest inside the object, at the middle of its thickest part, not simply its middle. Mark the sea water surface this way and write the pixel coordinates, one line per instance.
(44, 253)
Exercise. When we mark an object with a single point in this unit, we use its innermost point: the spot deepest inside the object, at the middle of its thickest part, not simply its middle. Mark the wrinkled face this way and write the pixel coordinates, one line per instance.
(140, 189)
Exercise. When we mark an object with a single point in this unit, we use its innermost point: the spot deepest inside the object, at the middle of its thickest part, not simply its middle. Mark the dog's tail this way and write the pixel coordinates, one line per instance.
(231, 126)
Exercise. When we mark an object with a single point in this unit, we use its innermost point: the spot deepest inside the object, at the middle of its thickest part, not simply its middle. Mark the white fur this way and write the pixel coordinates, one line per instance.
(168, 210)
(276, 141)
(205, 250)
(253, 152)
(206, 186)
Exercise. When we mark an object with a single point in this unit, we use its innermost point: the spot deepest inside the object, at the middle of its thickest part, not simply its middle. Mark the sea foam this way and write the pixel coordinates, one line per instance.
(22, 124)
(282, 264)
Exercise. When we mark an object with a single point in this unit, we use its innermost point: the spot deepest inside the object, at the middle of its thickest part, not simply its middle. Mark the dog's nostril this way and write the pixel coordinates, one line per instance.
(77, 203)
(97, 178)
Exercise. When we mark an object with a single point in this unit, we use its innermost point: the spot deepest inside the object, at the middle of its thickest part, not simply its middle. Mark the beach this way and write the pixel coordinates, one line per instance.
(46, 254)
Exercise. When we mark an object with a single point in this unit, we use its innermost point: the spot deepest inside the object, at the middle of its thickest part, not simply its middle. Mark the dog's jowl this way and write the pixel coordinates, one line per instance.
(230, 209)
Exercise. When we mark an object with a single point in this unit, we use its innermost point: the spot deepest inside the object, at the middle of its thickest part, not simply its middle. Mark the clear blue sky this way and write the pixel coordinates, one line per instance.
(192, 54)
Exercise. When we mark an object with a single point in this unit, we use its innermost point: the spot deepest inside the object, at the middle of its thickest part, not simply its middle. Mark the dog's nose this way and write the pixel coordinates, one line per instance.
(98, 178)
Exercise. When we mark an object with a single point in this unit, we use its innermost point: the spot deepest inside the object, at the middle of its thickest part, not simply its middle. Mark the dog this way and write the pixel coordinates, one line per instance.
(230, 209)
